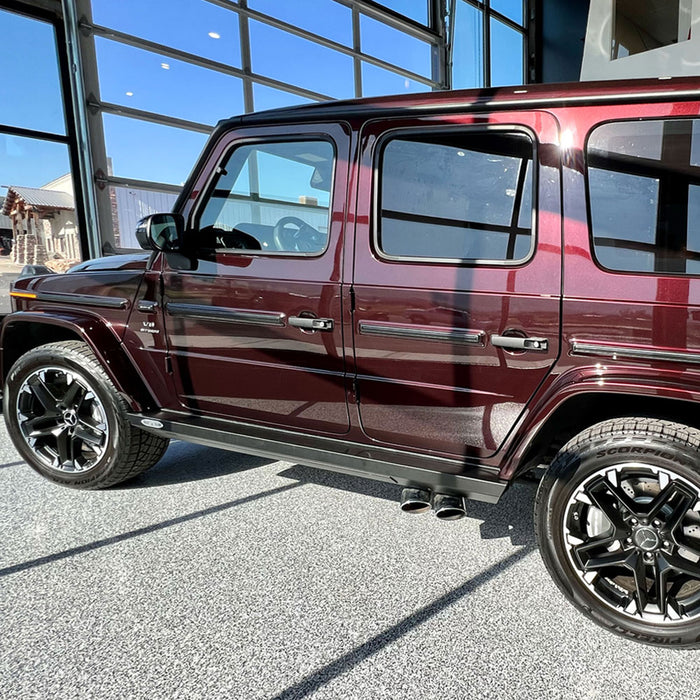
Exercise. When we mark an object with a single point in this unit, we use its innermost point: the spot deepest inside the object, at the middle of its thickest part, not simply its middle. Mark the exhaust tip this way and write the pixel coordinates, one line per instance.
(448, 507)
(415, 501)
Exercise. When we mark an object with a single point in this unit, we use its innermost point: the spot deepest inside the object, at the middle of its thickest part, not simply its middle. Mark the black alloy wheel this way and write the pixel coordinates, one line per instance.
(70, 423)
(618, 521)
(62, 420)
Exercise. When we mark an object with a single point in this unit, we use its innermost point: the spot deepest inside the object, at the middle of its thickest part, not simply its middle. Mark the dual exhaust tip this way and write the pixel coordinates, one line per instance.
(446, 507)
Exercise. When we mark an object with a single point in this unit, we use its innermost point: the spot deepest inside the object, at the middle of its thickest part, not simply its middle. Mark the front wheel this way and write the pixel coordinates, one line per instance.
(618, 525)
(69, 422)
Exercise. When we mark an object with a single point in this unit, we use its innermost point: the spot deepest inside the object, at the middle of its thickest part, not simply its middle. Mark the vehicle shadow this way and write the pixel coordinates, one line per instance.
(186, 462)
(510, 518)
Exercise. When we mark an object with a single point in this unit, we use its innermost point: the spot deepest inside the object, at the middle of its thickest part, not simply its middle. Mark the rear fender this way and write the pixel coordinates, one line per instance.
(638, 385)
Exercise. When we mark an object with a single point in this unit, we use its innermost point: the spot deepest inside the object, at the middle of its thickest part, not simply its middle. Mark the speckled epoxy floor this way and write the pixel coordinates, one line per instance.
(219, 575)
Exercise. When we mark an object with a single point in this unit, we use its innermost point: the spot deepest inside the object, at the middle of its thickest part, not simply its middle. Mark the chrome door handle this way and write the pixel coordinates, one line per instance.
(311, 324)
(514, 342)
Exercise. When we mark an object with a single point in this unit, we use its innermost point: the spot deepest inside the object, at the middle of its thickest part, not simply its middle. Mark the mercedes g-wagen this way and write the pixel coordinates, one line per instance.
(444, 291)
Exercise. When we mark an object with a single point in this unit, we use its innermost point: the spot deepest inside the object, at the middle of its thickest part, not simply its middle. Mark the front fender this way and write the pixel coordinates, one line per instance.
(23, 330)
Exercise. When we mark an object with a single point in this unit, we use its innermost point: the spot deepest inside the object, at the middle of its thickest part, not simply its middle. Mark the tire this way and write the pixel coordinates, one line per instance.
(619, 529)
(69, 422)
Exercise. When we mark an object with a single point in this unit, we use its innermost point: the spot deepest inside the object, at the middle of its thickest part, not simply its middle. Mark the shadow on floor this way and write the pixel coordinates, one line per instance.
(511, 517)
(185, 462)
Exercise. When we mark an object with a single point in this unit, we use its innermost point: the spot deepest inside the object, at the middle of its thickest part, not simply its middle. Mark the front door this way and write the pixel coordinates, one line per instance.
(254, 326)
(457, 278)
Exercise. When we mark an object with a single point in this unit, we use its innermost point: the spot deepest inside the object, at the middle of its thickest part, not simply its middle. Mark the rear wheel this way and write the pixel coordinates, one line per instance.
(618, 525)
(69, 422)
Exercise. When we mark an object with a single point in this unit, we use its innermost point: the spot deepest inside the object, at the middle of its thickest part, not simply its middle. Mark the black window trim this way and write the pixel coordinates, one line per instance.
(210, 185)
(414, 131)
(691, 255)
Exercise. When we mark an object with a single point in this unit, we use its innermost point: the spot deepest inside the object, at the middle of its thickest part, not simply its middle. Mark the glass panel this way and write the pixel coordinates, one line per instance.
(291, 59)
(38, 224)
(195, 26)
(30, 88)
(513, 9)
(273, 198)
(155, 83)
(393, 46)
(643, 25)
(506, 55)
(269, 98)
(643, 189)
(414, 9)
(146, 151)
(129, 205)
(468, 53)
(324, 17)
(377, 81)
(457, 196)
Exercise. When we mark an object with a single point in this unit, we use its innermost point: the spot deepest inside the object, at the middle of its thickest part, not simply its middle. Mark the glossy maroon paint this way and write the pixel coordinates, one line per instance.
(479, 403)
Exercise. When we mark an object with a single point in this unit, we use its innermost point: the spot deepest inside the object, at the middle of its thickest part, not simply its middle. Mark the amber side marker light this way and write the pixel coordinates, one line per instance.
(23, 295)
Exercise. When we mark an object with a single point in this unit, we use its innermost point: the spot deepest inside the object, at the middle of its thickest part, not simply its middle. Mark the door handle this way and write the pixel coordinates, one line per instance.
(311, 324)
(514, 342)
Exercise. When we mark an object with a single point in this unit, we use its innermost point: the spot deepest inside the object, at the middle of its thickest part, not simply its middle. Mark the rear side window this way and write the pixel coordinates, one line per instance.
(270, 198)
(456, 197)
(644, 194)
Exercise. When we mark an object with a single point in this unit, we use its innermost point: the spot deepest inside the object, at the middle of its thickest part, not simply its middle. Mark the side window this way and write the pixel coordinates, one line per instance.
(644, 195)
(272, 198)
(457, 196)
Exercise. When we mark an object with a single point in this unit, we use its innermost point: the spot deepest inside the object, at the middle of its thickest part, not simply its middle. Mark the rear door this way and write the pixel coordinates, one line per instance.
(253, 321)
(457, 278)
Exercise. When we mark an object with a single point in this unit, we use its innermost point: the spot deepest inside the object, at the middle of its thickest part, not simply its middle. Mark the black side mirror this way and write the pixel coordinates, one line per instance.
(163, 232)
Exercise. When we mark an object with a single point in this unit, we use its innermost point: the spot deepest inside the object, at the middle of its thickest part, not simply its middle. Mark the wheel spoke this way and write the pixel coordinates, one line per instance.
(661, 574)
(41, 426)
(44, 396)
(64, 446)
(74, 396)
(610, 500)
(92, 437)
(683, 566)
(675, 497)
(639, 569)
(607, 560)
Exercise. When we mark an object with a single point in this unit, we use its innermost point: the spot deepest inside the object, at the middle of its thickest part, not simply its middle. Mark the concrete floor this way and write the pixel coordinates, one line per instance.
(224, 576)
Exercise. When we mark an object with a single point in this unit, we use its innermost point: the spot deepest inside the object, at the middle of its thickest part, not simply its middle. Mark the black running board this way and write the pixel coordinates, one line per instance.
(382, 464)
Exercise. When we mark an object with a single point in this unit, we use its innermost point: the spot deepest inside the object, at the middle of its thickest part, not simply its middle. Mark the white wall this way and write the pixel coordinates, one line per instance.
(678, 59)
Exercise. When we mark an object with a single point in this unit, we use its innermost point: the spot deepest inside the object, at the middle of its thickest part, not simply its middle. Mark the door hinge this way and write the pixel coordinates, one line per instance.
(168, 364)
(352, 300)
(356, 390)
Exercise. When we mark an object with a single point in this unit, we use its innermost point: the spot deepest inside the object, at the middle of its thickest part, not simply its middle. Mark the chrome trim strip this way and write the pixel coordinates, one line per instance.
(223, 313)
(451, 335)
(585, 348)
(84, 300)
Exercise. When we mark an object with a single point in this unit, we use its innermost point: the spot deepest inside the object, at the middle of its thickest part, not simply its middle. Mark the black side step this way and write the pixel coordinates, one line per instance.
(379, 463)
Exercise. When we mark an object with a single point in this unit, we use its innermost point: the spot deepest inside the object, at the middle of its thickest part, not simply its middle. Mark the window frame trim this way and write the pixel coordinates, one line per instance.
(206, 191)
(589, 210)
(379, 148)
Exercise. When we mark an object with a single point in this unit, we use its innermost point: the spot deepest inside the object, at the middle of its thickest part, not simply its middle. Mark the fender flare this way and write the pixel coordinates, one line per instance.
(628, 381)
(99, 336)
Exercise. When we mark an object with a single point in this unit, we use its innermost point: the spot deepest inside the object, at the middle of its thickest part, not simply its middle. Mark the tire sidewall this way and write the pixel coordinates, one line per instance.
(567, 472)
(93, 377)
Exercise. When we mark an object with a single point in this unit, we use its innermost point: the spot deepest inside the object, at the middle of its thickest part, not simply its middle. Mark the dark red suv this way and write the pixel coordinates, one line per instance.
(444, 291)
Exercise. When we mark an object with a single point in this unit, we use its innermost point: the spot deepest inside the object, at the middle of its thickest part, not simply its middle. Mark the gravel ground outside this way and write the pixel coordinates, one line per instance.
(218, 575)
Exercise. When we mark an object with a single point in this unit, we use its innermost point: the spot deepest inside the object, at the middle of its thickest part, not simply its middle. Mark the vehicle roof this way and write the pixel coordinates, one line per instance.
(541, 95)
